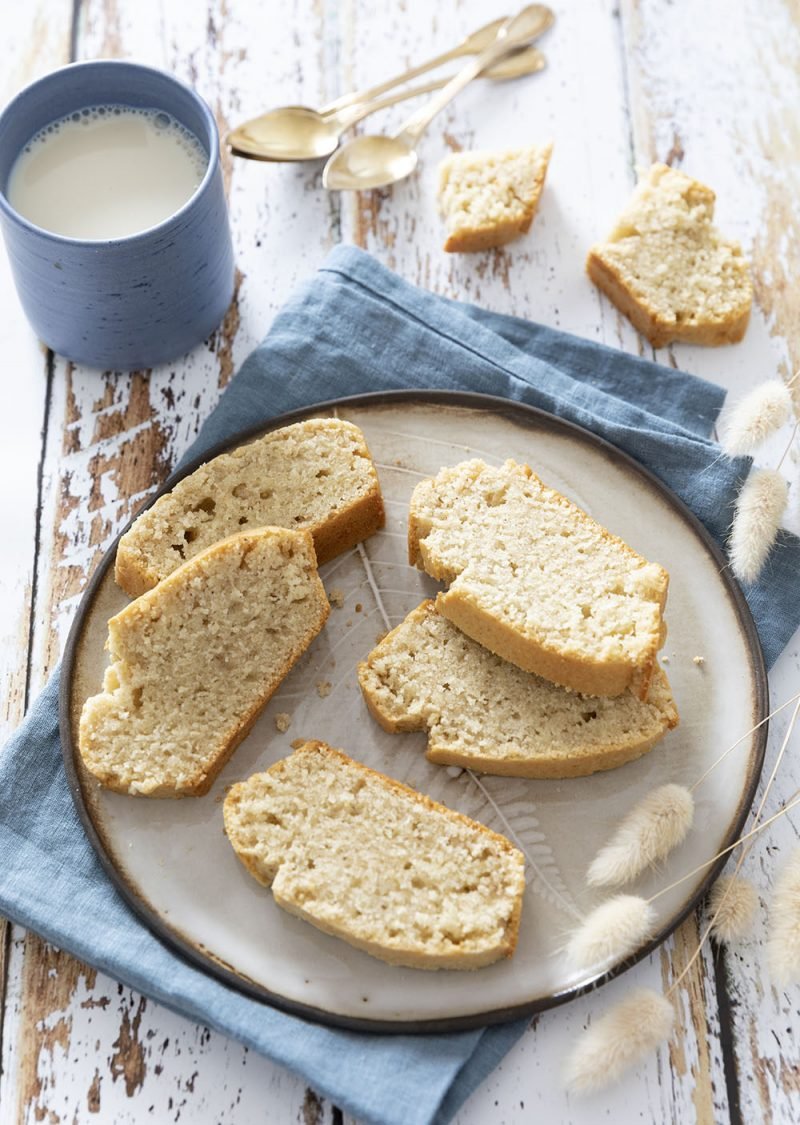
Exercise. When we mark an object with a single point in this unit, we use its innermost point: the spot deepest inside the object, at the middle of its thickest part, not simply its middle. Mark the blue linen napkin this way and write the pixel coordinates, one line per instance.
(356, 327)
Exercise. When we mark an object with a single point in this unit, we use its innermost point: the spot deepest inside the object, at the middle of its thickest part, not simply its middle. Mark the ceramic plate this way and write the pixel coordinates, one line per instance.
(173, 864)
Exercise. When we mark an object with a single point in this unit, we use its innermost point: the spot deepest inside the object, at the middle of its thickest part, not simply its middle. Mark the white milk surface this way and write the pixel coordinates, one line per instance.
(106, 172)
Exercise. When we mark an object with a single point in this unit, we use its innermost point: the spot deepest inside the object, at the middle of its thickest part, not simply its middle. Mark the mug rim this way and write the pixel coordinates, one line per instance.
(148, 232)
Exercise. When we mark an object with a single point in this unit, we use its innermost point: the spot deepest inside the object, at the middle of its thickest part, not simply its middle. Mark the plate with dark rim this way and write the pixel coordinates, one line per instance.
(174, 867)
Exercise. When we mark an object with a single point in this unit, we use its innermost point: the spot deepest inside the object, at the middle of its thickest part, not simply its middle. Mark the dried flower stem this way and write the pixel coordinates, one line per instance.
(739, 741)
(790, 442)
(758, 827)
(760, 809)
(793, 801)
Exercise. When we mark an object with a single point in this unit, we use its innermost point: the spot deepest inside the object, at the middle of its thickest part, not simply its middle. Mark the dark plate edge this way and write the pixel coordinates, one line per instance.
(183, 947)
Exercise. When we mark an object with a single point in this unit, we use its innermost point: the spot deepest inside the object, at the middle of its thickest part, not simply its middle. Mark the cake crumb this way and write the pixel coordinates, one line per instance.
(699, 661)
(324, 688)
(359, 607)
(336, 597)
(283, 720)
(665, 660)
(297, 743)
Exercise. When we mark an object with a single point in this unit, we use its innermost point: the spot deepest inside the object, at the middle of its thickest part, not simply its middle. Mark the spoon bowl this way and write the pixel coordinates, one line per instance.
(292, 132)
(369, 162)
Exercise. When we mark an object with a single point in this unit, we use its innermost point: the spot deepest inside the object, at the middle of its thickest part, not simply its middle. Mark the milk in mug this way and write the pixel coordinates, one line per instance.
(106, 172)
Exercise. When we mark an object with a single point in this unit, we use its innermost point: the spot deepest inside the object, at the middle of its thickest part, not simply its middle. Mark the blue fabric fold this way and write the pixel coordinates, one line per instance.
(353, 328)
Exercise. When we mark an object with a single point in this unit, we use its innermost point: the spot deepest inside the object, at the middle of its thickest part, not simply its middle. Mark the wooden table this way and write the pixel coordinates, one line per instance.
(710, 87)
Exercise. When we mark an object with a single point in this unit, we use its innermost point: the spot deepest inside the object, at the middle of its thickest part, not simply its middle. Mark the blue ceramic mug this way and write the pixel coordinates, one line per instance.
(121, 303)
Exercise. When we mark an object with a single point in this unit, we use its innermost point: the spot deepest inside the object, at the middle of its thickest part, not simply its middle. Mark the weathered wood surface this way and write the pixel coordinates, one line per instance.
(713, 88)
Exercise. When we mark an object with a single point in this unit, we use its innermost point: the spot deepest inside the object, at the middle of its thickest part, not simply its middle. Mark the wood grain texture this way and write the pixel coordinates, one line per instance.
(109, 440)
(41, 43)
(712, 88)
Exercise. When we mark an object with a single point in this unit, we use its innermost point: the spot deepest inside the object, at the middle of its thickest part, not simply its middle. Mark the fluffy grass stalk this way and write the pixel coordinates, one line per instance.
(759, 510)
(733, 903)
(625, 1035)
(783, 945)
(759, 415)
(651, 830)
(611, 932)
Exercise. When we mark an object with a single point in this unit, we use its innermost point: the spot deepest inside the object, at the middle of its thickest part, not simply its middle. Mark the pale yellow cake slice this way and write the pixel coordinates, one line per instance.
(380, 866)
(483, 713)
(194, 661)
(315, 475)
(667, 267)
(536, 580)
(488, 198)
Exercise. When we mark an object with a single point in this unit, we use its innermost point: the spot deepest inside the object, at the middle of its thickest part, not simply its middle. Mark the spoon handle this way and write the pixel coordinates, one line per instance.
(529, 23)
(472, 45)
(527, 61)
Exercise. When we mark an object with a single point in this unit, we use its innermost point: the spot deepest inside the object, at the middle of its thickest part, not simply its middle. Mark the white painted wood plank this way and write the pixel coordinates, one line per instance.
(718, 93)
(35, 46)
(41, 43)
(77, 1046)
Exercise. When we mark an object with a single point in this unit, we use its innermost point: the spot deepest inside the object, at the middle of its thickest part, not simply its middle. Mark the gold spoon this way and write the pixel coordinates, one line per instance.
(301, 133)
(306, 131)
(376, 161)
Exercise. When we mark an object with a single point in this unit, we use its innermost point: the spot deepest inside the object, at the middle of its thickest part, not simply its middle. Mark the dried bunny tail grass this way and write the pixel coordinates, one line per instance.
(783, 945)
(756, 417)
(634, 1028)
(733, 903)
(614, 929)
(759, 509)
(650, 831)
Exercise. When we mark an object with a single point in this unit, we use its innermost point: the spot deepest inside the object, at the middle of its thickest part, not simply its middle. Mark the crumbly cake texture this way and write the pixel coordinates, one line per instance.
(316, 476)
(483, 713)
(194, 660)
(537, 581)
(669, 270)
(488, 198)
(377, 864)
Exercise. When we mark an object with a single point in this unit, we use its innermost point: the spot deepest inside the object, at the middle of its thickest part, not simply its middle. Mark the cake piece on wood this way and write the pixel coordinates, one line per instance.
(488, 198)
(669, 270)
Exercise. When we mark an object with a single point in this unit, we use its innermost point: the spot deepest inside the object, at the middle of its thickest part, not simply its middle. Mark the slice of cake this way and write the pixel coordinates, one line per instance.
(376, 864)
(537, 581)
(486, 714)
(316, 476)
(488, 198)
(194, 660)
(669, 270)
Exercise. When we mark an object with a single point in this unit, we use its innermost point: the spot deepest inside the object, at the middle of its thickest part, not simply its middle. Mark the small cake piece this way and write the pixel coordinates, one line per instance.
(376, 864)
(668, 269)
(483, 713)
(488, 198)
(536, 580)
(316, 476)
(194, 660)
